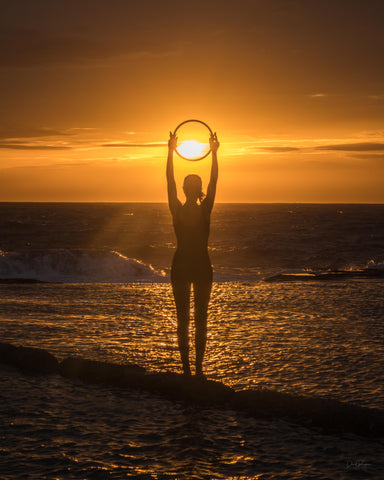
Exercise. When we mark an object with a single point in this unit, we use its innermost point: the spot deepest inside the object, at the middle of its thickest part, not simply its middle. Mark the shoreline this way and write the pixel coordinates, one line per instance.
(332, 416)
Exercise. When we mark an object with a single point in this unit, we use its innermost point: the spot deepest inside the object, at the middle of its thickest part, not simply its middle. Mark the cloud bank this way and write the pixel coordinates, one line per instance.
(353, 147)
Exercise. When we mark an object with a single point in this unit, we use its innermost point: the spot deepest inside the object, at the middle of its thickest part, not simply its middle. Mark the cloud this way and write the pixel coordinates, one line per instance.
(376, 97)
(378, 134)
(31, 48)
(318, 95)
(20, 146)
(353, 147)
(279, 149)
(125, 145)
(26, 47)
(372, 157)
(74, 32)
(23, 131)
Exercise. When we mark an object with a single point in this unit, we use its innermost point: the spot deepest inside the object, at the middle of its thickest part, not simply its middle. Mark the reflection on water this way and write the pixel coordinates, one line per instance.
(56, 428)
(320, 339)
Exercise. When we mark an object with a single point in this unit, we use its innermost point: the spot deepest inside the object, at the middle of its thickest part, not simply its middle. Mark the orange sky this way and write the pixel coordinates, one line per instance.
(294, 90)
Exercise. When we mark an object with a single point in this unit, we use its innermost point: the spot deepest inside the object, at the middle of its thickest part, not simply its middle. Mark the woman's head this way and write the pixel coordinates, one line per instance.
(193, 188)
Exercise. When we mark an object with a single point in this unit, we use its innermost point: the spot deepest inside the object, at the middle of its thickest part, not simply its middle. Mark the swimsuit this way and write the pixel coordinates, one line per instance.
(191, 262)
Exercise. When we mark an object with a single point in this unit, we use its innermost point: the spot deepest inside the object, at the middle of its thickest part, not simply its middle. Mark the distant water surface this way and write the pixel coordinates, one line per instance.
(118, 242)
(115, 303)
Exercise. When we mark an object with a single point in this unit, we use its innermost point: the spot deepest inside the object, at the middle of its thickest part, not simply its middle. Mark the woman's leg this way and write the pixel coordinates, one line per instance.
(202, 293)
(182, 293)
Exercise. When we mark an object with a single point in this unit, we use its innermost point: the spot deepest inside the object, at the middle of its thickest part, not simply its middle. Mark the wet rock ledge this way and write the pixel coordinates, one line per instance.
(330, 415)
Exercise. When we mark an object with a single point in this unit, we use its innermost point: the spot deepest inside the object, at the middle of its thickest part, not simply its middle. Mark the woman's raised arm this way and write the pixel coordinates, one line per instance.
(211, 191)
(172, 191)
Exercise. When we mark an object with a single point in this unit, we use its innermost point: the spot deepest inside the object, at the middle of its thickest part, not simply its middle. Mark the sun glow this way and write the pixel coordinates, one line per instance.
(192, 149)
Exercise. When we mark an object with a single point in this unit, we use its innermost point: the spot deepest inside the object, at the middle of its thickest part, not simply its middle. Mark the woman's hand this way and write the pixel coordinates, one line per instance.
(172, 142)
(213, 142)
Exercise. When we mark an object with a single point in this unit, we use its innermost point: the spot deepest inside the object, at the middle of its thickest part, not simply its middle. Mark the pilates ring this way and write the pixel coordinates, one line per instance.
(189, 121)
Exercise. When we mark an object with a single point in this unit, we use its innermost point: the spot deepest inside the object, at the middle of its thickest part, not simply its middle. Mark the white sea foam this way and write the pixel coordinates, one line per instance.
(76, 266)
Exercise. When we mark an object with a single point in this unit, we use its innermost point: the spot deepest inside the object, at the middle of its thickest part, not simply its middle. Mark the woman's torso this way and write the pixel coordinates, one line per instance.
(191, 224)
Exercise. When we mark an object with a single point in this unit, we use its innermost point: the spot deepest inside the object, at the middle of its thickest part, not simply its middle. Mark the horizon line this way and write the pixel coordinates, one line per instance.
(165, 202)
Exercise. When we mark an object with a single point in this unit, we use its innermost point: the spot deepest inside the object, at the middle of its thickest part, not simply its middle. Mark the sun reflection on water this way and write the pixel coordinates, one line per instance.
(258, 334)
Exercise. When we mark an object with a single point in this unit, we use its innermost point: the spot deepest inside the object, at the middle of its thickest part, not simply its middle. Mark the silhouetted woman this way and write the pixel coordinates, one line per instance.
(191, 264)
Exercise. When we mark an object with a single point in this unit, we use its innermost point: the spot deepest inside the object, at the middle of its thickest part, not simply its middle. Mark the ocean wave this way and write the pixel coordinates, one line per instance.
(76, 266)
(109, 266)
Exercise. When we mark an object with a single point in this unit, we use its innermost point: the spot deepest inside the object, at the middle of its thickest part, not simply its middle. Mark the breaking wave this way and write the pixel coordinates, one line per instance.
(76, 266)
(103, 266)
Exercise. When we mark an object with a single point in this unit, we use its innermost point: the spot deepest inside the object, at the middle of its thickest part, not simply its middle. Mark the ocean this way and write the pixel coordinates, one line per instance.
(297, 306)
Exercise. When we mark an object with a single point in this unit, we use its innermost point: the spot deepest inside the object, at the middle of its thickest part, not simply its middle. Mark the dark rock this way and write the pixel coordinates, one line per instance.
(8, 353)
(36, 360)
(171, 385)
(187, 388)
(28, 359)
(21, 280)
(100, 372)
(328, 275)
(264, 403)
(328, 414)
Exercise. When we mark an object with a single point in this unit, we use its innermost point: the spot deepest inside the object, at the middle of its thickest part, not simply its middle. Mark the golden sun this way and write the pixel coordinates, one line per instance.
(192, 149)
